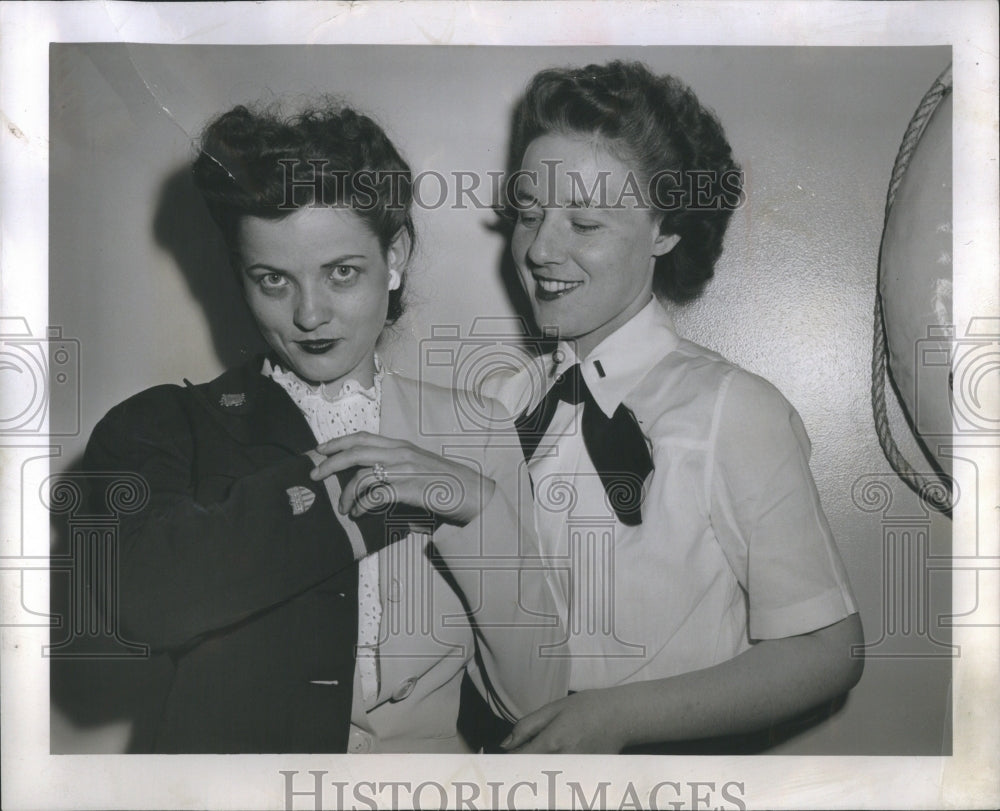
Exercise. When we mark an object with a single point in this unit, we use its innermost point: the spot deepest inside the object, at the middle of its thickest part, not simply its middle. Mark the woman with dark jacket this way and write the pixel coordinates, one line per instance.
(313, 563)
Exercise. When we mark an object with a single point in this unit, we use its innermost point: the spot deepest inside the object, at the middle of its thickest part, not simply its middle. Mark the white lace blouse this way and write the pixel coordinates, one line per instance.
(333, 413)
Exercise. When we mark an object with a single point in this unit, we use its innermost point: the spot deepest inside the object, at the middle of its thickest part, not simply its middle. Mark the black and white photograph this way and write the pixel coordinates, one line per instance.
(408, 401)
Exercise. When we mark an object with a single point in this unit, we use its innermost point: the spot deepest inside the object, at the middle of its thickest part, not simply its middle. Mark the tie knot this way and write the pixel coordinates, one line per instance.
(570, 387)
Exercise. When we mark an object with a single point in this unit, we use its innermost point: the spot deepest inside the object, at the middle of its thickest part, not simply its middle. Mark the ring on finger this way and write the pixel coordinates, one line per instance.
(379, 472)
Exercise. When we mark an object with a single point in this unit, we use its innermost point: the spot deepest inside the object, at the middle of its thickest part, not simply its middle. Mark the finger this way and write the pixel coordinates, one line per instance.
(353, 457)
(349, 493)
(528, 727)
(359, 439)
(377, 497)
(365, 492)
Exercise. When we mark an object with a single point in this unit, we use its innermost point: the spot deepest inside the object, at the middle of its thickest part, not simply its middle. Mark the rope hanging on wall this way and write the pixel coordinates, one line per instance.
(909, 240)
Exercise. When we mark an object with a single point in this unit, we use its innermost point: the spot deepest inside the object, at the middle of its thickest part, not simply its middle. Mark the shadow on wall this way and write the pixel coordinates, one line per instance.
(96, 677)
(183, 227)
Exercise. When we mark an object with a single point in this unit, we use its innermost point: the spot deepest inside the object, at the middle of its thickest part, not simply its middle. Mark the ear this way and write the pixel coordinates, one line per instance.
(397, 256)
(664, 243)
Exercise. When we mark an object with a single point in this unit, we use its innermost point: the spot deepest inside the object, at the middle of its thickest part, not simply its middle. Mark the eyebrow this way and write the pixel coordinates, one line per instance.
(525, 198)
(262, 266)
(350, 257)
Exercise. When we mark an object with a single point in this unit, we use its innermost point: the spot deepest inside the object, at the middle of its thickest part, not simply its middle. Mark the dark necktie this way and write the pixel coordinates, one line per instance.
(616, 446)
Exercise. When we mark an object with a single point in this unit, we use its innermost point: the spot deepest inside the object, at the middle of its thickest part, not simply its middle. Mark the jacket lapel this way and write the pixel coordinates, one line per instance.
(397, 413)
(254, 410)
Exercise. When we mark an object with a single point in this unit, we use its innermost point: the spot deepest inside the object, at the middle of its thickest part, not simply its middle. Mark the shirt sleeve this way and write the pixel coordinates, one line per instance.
(767, 515)
(496, 562)
(189, 568)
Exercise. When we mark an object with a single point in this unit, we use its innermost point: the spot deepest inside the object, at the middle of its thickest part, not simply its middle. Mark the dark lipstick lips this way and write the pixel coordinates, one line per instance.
(317, 347)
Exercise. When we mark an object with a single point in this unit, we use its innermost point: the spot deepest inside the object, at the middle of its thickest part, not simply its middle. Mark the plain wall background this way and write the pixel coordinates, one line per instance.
(138, 275)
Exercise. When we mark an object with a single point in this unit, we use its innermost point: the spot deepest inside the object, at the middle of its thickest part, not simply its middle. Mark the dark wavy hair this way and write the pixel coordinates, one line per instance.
(656, 125)
(261, 163)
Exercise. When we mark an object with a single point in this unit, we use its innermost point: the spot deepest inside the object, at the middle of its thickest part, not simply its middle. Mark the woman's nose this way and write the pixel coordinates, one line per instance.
(312, 310)
(548, 246)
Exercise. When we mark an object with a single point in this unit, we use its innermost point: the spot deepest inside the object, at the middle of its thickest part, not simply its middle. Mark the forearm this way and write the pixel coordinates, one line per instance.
(192, 562)
(188, 568)
(771, 682)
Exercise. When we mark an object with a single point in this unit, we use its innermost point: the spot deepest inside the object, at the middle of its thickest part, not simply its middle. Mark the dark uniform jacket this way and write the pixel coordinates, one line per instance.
(240, 575)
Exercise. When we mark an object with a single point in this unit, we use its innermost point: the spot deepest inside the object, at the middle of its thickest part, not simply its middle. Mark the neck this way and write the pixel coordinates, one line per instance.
(585, 344)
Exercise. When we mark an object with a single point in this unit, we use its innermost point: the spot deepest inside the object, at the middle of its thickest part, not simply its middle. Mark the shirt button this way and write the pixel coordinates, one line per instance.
(404, 689)
(360, 742)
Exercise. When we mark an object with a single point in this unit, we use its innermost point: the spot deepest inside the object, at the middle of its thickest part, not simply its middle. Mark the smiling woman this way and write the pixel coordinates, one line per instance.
(293, 501)
(583, 259)
(738, 615)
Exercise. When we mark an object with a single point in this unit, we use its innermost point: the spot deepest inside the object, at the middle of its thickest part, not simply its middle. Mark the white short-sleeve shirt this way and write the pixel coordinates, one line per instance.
(733, 544)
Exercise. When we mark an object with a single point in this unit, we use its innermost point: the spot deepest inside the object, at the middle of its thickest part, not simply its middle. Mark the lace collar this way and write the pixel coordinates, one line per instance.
(327, 392)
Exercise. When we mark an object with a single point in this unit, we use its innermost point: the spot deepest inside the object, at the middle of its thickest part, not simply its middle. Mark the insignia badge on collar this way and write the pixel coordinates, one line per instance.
(232, 400)
(301, 499)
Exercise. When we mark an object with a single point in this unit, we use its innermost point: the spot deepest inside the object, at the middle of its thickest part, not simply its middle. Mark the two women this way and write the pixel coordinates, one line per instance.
(254, 567)
(291, 568)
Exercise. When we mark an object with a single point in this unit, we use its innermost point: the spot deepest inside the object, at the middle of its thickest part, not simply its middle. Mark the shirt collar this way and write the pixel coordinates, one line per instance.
(298, 387)
(625, 357)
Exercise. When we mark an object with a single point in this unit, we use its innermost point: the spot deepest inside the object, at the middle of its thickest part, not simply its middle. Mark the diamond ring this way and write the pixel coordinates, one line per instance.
(380, 475)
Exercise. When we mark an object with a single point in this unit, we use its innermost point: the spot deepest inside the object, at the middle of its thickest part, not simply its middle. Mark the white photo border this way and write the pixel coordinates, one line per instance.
(33, 778)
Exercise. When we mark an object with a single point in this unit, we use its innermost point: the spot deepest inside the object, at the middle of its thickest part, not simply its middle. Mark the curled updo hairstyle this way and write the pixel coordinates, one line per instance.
(657, 126)
(260, 163)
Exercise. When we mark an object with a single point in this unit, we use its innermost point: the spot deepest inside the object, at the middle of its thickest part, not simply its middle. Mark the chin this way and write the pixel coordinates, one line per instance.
(315, 371)
(551, 315)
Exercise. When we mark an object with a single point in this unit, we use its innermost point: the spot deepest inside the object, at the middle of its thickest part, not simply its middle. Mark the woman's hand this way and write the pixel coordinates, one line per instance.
(397, 471)
(585, 722)
(771, 682)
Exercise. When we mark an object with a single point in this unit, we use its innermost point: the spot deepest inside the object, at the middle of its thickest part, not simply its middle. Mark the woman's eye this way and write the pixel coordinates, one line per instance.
(529, 218)
(585, 227)
(271, 281)
(343, 273)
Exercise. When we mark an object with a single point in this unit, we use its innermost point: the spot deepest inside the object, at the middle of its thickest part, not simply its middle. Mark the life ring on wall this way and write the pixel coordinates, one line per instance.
(913, 312)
